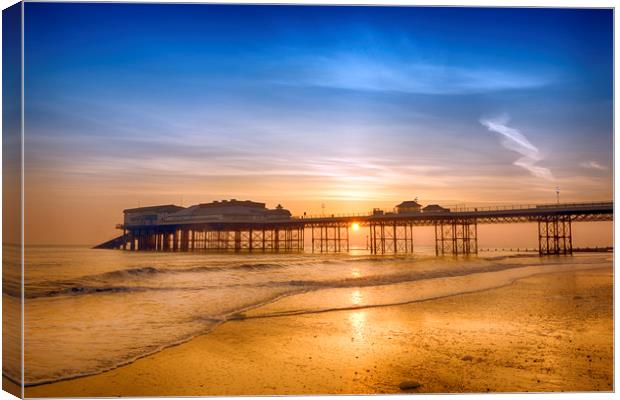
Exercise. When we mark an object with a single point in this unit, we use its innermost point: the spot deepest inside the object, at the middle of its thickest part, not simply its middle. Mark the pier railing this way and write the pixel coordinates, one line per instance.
(462, 208)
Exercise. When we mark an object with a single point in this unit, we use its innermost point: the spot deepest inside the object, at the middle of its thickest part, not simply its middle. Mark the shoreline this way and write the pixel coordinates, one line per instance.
(284, 305)
(217, 363)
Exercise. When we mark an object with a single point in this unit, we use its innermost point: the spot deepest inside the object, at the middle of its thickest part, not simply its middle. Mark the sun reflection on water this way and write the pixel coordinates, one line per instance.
(357, 319)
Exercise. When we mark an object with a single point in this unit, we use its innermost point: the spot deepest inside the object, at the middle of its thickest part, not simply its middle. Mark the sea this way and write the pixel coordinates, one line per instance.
(88, 311)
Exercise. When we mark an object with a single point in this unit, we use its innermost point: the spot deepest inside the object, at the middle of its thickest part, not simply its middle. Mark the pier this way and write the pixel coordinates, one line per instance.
(246, 226)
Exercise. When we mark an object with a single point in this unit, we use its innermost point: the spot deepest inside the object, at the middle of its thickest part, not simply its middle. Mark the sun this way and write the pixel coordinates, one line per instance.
(355, 226)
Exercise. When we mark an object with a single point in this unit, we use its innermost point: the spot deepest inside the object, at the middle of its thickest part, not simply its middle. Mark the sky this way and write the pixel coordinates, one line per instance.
(346, 108)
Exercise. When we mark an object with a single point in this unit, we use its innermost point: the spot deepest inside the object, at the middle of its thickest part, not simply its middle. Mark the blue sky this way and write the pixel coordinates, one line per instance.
(349, 106)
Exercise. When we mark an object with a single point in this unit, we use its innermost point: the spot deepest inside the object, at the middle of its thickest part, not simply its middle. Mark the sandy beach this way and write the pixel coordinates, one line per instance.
(548, 332)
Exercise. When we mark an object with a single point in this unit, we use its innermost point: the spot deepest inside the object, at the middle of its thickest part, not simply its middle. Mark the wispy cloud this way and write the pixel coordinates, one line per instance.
(354, 72)
(593, 165)
(514, 140)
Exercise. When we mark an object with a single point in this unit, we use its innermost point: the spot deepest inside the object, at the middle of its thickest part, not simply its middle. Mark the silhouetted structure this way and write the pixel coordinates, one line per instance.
(149, 215)
(435, 208)
(229, 210)
(250, 226)
(408, 207)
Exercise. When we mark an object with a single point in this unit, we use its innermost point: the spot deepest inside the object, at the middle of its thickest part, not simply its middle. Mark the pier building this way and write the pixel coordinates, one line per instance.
(408, 207)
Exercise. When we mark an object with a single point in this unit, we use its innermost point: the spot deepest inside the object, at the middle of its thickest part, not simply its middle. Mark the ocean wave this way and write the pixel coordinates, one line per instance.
(112, 281)
(80, 290)
(120, 281)
(152, 271)
(403, 277)
(522, 271)
(123, 280)
(106, 283)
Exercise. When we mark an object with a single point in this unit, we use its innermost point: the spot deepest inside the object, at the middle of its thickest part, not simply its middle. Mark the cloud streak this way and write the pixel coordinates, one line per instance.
(514, 140)
(373, 74)
(593, 165)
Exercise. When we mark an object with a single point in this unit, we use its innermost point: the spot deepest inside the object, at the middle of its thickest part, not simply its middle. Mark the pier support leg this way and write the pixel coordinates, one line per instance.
(373, 238)
(456, 236)
(264, 240)
(328, 238)
(391, 237)
(555, 235)
(166, 243)
(237, 241)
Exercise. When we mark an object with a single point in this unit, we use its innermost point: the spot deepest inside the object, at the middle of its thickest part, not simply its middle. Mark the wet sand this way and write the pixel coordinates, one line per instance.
(549, 332)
